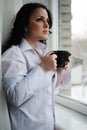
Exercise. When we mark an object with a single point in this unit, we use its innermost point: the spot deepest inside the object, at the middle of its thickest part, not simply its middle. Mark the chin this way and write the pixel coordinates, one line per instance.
(44, 38)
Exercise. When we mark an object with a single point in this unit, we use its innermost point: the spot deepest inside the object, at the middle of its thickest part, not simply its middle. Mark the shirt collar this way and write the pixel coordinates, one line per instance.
(25, 46)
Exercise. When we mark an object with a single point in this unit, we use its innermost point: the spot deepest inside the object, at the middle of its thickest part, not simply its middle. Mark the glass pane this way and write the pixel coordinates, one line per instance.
(78, 89)
(79, 50)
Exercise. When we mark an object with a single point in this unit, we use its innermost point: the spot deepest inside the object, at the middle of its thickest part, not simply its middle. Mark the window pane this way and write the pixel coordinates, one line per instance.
(78, 90)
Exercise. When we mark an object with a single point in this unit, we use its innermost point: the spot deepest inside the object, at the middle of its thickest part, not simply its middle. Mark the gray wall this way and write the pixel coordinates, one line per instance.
(4, 118)
(8, 9)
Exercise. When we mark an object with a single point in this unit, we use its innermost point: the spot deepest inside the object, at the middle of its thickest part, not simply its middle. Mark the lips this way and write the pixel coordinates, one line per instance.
(45, 31)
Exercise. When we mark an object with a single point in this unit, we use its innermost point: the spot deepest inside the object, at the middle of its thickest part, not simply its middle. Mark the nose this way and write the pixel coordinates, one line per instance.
(46, 25)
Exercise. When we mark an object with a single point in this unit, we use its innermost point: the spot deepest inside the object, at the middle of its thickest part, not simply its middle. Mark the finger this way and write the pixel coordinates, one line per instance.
(54, 56)
(49, 53)
(67, 66)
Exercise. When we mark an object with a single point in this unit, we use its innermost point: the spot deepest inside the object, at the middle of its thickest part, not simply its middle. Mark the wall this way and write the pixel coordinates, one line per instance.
(8, 9)
(4, 118)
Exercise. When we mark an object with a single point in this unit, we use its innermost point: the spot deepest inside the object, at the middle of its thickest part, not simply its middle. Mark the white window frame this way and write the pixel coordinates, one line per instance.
(62, 99)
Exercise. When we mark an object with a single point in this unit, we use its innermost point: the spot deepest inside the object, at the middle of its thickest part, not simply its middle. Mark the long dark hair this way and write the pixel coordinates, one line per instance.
(21, 20)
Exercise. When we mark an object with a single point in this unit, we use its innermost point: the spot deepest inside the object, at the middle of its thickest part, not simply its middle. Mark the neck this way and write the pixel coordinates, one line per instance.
(31, 41)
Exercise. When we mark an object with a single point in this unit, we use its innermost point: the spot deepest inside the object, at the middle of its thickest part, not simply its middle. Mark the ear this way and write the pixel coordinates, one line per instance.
(26, 29)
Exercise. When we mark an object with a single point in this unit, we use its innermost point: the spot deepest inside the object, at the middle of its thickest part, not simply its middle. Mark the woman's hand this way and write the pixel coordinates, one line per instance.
(48, 62)
(66, 67)
(61, 71)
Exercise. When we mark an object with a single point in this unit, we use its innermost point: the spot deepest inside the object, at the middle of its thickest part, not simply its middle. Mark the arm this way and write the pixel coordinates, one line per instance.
(19, 85)
(62, 76)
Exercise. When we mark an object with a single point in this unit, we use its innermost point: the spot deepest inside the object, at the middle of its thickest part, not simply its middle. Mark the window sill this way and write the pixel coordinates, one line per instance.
(68, 119)
(71, 103)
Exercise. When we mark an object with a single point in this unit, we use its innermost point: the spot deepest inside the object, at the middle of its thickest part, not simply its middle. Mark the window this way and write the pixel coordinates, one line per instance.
(73, 37)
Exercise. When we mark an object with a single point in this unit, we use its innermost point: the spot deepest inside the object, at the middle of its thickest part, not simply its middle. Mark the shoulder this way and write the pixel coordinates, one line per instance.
(13, 53)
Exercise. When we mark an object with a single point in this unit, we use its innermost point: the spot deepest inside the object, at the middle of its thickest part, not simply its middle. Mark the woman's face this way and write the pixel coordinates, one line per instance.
(38, 25)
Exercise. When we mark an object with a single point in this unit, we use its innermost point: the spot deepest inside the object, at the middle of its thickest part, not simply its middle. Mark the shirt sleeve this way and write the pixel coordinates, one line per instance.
(65, 80)
(20, 86)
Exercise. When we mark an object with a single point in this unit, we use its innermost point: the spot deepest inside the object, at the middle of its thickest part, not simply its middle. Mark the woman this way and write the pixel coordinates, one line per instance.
(29, 73)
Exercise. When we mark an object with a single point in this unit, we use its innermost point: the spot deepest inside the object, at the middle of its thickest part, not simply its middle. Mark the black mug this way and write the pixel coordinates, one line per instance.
(62, 57)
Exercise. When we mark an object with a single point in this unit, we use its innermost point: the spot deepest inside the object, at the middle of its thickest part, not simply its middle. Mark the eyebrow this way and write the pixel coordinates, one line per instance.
(42, 17)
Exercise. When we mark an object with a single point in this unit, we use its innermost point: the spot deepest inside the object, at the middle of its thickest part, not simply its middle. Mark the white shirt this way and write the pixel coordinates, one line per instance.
(29, 91)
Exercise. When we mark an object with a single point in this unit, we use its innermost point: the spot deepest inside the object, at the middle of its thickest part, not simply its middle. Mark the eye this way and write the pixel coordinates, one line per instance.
(39, 19)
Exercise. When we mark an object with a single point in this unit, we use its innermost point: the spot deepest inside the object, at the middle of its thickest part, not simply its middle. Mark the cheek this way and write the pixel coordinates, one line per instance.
(35, 27)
